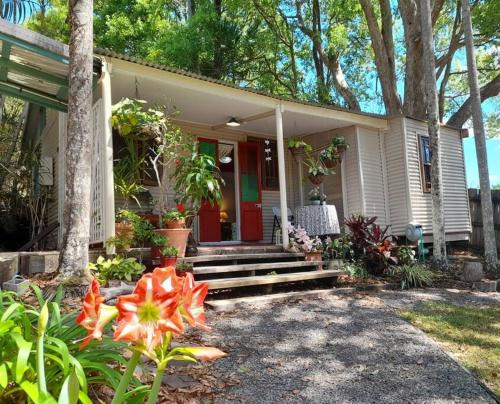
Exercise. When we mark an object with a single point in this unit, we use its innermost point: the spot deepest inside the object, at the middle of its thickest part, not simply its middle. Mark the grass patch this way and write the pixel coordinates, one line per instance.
(472, 333)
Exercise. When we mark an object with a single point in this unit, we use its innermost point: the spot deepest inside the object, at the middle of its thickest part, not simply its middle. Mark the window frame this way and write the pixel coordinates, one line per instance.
(426, 187)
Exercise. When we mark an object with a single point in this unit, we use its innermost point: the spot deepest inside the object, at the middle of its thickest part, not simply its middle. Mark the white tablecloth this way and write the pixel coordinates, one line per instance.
(318, 220)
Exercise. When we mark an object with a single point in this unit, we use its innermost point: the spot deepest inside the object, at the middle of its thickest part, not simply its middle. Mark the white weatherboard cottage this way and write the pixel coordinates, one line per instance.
(384, 172)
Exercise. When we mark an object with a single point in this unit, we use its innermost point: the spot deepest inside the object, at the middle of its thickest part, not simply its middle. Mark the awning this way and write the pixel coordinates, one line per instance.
(34, 67)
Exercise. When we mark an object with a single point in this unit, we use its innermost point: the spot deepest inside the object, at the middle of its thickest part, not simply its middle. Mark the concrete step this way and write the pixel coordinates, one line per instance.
(240, 257)
(222, 269)
(271, 279)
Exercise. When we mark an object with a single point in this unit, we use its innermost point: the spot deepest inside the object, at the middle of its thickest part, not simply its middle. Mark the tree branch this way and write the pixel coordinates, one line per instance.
(464, 112)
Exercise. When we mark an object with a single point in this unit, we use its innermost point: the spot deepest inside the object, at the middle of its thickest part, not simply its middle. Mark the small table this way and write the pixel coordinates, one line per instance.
(318, 220)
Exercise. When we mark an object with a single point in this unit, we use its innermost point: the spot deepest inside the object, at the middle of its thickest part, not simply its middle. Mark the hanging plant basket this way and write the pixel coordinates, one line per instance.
(316, 179)
(297, 150)
(329, 163)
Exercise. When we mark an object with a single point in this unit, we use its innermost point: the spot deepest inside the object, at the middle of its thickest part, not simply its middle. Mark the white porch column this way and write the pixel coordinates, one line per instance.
(282, 174)
(301, 179)
(107, 167)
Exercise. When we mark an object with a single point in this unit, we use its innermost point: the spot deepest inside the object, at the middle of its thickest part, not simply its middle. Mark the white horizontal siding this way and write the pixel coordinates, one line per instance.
(397, 184)
(352, 175)
(456, 208)
(373, 175)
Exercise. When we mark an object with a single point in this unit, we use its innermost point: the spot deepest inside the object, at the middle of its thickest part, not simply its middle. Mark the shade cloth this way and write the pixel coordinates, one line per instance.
(318, 220)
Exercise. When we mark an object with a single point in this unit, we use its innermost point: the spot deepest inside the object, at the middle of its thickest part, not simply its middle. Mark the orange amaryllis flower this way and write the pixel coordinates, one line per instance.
(193, 297)
(151, 310)
(95, 315)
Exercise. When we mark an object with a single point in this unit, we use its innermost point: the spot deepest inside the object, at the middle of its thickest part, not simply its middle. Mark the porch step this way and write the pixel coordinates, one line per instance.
(239, 249)
(221, 269)
(271, 279)
(239, 257)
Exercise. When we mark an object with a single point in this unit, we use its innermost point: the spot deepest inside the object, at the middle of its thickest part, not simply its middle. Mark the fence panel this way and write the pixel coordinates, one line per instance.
(476, 240)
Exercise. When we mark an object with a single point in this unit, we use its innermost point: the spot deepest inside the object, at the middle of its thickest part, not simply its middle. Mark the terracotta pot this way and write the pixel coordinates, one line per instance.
(316, 179)
(313, 256)
(168, 262)
(151, 218)
(176, 238)
(183, 272)
(176, 224)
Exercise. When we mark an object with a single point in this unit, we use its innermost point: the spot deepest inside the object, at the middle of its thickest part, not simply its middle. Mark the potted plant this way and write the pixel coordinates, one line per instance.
(316, 196)
(124, 230)
(176, 218)
(116, 269)
(168, 257)
(197, 180)
(297, 146)
(316, 170)
(183, 268)
(300, 241)
(157, 243)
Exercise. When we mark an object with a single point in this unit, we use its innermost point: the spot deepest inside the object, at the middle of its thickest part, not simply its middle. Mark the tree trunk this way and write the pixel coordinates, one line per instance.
(414, 95)
(75, 242)
(383, 48)
(438, 230)
(490, 249)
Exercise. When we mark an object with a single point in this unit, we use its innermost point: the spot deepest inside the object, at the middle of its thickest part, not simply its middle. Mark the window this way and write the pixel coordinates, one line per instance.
(269, 163)
(425, 162)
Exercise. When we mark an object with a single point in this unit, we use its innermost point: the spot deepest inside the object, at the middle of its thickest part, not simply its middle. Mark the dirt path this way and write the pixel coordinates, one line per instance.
(339, 349)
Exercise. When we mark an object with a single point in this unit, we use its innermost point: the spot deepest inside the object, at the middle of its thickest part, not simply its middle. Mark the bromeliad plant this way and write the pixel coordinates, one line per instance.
(147, 319)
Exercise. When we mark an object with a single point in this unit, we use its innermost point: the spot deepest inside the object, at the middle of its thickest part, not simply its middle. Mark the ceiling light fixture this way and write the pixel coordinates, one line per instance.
(233, 122)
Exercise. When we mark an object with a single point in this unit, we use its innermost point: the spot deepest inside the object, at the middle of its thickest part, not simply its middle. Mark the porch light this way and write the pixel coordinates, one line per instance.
(233, 122)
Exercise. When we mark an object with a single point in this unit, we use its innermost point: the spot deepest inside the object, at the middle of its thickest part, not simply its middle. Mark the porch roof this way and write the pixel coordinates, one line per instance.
(210, 103)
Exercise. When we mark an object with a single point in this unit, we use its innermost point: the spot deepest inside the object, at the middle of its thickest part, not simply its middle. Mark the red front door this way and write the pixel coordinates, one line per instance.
(250, 192)
(209, 216)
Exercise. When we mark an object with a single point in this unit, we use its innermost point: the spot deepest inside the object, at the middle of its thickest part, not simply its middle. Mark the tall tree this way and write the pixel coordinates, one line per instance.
(490, 249)
(438, 231)
(75, 238)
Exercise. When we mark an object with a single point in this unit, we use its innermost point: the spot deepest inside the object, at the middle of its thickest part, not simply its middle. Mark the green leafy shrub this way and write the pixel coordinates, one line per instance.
(117, 268)
(412, 276)
(39, 359)
(356, 270)
(340, 247)
(183, 266)
(169, 252)
(405, 255)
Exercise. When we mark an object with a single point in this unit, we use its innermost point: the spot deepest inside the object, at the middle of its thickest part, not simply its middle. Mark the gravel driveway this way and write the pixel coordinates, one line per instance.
(337, 349)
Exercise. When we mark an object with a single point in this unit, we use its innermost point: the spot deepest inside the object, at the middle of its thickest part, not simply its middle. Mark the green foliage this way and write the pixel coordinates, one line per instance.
(412, 275)
(405, 255)
(169, 252)
(39, 358)
(157, 240)
(197, 178)
(184, 266)
(315, 166)
(356, 270)
(341, 247)
(143, 229)
(332, 151)
(175, 214)
(117, 268)
(298, 143)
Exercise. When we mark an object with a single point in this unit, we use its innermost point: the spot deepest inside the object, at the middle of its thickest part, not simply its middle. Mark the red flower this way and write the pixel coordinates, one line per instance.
(177, 163)
(151, 310)
(95, 315)
(180, 207)
(193, 297)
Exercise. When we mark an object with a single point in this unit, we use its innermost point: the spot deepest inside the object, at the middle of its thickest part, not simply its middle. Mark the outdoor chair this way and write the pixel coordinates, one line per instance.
(277, 222)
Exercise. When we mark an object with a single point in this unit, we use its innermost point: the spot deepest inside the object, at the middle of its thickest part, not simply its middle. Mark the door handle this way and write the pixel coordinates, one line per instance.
(258, 205)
